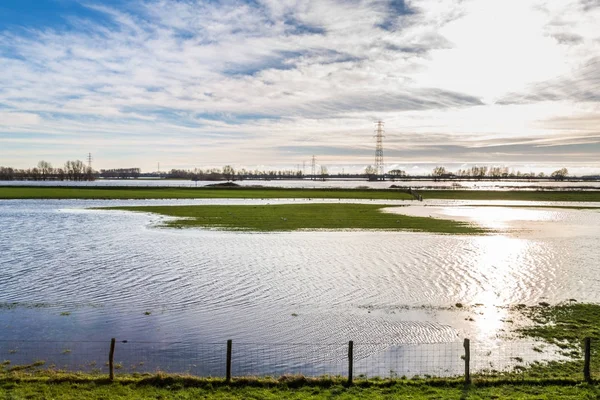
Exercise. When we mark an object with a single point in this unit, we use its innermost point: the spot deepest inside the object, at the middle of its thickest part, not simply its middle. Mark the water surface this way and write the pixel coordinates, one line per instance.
(115, 274)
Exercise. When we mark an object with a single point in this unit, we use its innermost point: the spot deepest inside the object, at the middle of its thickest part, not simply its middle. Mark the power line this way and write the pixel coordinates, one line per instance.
(379, 169)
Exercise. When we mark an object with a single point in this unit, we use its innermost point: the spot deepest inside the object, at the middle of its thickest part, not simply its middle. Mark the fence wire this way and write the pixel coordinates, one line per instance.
(207, 359)
(525, 359)
(409, 361)
(252, 359)
(23, 355)
(509, 360)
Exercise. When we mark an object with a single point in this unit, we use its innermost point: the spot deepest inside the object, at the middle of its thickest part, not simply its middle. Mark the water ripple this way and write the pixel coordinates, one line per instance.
(210, 284)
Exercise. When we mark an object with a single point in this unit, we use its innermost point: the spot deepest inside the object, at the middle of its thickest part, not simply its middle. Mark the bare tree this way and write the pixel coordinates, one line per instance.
(75, 170)
(370, 171)
(45, 169)
(228, 172)
(324, 172)
(438, 172)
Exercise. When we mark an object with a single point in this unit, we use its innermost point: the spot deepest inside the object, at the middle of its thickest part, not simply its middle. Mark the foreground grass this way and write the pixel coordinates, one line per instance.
(521, 195)
(125, 193)
(165, 387)
(291, 217)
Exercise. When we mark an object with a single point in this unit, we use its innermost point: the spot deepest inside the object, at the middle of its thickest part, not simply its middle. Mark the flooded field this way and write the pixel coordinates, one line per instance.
(72, 274)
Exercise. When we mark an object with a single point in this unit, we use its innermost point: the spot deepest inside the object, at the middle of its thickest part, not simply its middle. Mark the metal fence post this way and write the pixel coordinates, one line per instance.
(350, 361)
(587, 357)
(228, 369)
(111, 359)
(467, 345)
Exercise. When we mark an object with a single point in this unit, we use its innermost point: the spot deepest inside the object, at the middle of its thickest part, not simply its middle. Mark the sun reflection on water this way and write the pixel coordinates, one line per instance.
(498, 270)
(499, 217)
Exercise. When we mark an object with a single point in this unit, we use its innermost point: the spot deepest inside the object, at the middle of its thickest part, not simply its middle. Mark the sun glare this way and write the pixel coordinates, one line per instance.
(497, 267)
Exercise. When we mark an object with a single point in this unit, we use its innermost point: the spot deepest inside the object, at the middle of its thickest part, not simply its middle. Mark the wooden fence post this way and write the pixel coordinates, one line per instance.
(467, 346)
(350, 361)
(587, 357)
(111, 359)
(228, 369)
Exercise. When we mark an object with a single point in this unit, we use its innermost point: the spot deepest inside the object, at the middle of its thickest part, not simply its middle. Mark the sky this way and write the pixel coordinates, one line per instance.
(263, 84)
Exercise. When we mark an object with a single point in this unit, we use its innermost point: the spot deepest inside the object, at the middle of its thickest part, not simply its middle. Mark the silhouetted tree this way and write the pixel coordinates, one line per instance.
(45, 169)
(560, 175)
(228, 172)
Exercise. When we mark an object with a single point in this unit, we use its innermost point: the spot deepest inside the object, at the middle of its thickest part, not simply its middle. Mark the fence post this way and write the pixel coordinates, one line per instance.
(228, 369)
(587, 356)
(467, 345)
(111, 359)
(350, 361)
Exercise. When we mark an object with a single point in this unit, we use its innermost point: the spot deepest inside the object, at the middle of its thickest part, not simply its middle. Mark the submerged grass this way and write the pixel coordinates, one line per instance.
(291, 217)
(521, 195)
(565, 326)
(581, 208)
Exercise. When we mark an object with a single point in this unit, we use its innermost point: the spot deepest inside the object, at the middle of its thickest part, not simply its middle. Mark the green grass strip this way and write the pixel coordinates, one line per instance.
(67, 387)
(292, 217)
(126, 193)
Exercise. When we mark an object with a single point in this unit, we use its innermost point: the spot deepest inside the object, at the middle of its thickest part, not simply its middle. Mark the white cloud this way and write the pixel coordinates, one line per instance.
(9, 120)
(195, 75)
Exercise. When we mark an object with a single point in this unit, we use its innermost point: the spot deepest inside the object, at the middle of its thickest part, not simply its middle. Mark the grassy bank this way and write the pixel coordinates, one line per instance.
(291, 217)
(521, 195)
(125, 193)
(165, 387)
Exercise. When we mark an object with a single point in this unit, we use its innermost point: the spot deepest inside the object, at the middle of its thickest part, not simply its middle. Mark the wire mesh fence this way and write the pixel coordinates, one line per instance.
(525, 359)
(85, 356)
(408, 360)
(206, 359)
(254, 359)
(483, 360)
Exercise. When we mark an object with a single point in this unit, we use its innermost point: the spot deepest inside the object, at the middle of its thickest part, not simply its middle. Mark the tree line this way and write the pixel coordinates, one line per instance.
(496, 173)
(44, 171)
(228, 173)
(78, 171)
